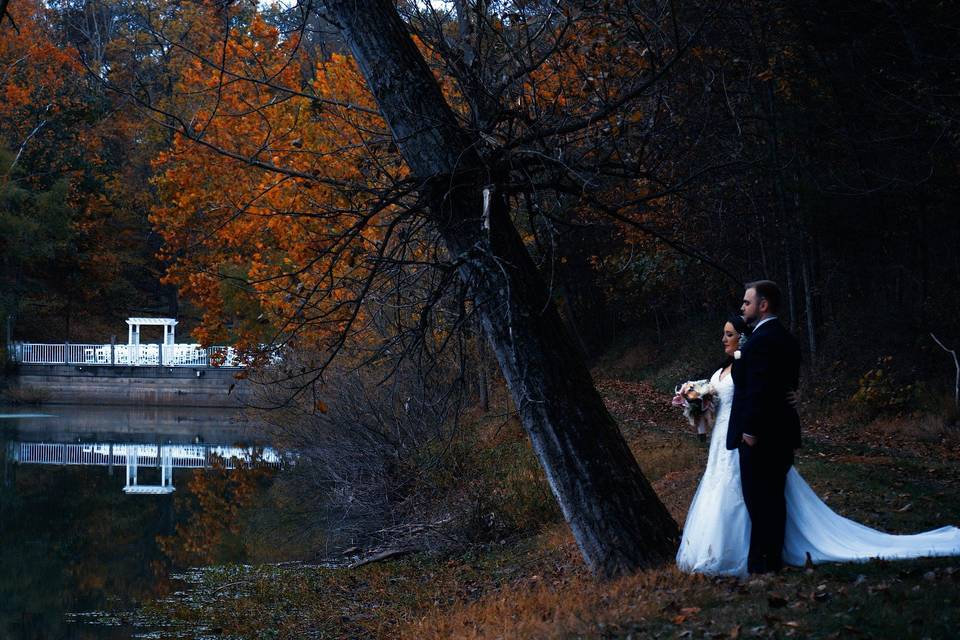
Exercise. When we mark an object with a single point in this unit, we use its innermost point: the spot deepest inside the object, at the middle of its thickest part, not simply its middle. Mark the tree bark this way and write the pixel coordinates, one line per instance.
(618, 521)
(483, 381)
(808, 300)
(791, 289)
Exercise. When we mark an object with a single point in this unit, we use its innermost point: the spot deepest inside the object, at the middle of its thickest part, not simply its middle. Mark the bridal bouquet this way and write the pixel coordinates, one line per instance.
(698, 399)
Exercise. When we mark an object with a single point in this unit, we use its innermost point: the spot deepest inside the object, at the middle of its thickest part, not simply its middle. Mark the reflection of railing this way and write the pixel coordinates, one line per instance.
(135, 355)
(180, 456)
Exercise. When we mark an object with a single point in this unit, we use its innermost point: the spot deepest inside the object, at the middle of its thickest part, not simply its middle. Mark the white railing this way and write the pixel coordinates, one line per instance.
(135, 355)
(179, 456)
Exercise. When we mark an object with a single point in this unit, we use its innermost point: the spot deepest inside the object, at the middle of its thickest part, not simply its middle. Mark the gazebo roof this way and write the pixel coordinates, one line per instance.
(153, 321)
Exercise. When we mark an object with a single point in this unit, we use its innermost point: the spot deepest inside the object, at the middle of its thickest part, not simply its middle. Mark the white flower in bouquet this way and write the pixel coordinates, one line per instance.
(698, 399)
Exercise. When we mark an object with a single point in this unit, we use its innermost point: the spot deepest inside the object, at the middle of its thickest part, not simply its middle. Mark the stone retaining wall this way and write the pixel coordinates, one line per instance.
(137, 386)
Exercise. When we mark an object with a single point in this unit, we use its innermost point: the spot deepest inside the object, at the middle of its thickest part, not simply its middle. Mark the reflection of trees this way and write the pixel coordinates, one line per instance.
(70, 541)
(210, 513)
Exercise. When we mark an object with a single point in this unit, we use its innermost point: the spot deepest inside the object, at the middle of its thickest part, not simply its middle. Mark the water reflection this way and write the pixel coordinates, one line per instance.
(133, 457)
(70, 540)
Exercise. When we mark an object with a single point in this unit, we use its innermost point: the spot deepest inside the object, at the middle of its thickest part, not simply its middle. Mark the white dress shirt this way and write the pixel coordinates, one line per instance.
(767, 319)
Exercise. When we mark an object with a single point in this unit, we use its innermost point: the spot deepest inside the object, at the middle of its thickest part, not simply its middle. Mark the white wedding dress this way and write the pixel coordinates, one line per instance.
(716, 535)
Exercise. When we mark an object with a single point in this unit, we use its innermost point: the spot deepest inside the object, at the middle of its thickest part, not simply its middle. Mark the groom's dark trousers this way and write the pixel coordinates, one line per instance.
(769, 368)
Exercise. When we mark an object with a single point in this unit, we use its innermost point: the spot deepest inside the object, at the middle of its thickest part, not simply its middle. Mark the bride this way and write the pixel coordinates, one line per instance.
(716, 535)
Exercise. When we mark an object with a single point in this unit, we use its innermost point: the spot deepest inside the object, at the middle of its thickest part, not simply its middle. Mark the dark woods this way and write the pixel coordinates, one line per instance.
(823, 142)
(574, 178)
(804, 142)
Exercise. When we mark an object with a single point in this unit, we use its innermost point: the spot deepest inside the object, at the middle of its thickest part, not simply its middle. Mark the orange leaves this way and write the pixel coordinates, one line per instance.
(594, 64)
(219, 497)
(283, 245)
(37, 74)
(16, 94)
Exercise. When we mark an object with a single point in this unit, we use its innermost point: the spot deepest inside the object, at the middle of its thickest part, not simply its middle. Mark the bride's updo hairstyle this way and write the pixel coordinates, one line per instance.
(740, 326)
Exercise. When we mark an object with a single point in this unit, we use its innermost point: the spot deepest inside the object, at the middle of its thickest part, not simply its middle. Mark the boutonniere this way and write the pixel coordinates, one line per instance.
(737, 354)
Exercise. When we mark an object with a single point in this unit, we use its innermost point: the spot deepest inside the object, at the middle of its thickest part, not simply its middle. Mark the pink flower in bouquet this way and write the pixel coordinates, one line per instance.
(698, 399)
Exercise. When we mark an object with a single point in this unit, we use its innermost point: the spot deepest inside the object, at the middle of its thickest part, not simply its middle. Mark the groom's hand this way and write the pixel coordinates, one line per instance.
(749, 440)
(793, 398)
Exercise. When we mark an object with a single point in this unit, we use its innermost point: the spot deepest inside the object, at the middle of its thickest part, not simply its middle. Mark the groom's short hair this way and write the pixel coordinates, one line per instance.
(769, 291)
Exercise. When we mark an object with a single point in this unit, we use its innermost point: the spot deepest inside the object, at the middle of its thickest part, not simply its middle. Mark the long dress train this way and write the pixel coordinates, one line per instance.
(716, 536)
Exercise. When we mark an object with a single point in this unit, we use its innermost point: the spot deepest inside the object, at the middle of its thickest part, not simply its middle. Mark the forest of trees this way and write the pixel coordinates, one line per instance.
(385, 182)
(792, 140)
(76, 253)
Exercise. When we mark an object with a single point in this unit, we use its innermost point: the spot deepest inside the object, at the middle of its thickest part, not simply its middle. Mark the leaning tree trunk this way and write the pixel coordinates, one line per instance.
(618, 521)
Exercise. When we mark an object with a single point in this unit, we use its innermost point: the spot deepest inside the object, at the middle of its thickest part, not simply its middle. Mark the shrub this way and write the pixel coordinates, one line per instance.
(491, 479)
(878, 392)
(396, 464)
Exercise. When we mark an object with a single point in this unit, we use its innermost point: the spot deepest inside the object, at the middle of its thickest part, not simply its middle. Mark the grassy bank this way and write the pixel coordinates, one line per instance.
(536, 586)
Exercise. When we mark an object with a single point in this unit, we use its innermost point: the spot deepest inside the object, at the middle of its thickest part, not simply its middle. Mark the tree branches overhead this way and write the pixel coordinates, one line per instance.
(564, 104)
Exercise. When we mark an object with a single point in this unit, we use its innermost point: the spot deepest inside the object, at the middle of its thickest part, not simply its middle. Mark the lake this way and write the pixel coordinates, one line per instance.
(90, 503)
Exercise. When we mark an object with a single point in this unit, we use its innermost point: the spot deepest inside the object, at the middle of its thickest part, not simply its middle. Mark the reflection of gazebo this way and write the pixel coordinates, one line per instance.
(164, 457)
(166, 474)
(169, 327)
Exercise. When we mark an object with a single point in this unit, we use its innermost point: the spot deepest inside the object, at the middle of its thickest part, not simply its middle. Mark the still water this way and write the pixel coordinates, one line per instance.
(79, 530)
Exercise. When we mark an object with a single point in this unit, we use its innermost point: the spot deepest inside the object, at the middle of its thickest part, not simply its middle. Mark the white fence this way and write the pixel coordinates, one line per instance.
(136, 355)
(182, 456)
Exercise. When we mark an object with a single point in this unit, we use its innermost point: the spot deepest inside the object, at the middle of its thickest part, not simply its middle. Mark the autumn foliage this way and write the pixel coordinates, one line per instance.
(211, 513)
(284, 204)
(255, 247)
(74, 254)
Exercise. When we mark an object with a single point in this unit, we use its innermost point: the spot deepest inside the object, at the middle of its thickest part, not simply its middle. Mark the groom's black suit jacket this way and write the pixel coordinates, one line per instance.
(768, 368)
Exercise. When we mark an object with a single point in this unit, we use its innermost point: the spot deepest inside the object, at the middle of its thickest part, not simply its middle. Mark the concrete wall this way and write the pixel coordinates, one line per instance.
(138, 386)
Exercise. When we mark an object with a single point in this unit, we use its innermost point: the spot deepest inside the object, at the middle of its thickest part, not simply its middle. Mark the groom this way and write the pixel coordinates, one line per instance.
(764, 427)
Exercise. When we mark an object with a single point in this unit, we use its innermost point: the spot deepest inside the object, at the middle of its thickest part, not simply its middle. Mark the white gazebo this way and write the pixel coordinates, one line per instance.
(169, 328)
(134, 354)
